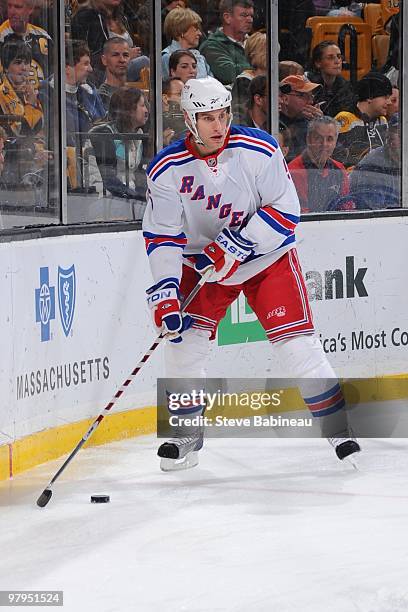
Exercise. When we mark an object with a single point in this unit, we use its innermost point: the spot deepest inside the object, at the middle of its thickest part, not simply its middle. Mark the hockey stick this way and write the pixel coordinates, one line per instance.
(47, 493)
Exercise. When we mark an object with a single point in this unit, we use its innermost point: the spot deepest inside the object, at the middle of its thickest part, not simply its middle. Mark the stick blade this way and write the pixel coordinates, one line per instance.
(44, 498)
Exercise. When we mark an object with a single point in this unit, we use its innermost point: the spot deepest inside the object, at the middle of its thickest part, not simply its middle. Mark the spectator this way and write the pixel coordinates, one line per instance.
(127, 115)
(83, 104)
(375, 180)
(257, 108)
(167, 6)
(255, 50)
(317, 176)
(98, 21)
(335, 93)
(183, 28)
(297, 108)
(224, 48)
(364, 128)
(18, 28)
(173, 119)
(115, 58)
(19, 98)
(393, 106)
(183, 65)
(288, 67)
(17, 93)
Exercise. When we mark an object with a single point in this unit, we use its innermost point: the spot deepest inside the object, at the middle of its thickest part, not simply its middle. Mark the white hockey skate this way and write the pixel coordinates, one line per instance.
(344, 447)
(180, 453)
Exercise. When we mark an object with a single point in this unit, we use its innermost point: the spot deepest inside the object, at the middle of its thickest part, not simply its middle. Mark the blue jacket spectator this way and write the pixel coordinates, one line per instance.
(83, 103)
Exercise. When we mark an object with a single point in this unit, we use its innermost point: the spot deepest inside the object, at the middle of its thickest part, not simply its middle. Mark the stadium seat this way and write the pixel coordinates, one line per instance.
(373, 16)
(380, 47)
(330, 31)
(317, 21)
(144, 82)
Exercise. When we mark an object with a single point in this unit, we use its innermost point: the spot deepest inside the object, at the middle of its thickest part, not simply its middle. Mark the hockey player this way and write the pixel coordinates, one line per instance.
(223, 199)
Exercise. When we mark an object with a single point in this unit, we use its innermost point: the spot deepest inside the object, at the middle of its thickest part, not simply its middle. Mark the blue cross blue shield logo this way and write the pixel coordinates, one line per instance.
(66, 296)
(45, 304)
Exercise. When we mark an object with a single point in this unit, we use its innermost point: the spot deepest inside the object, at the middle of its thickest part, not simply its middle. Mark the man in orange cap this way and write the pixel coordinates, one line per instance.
(297, 108)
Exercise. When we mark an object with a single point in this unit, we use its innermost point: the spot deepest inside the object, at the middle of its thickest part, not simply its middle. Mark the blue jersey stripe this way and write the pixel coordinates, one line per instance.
(274, 223)
(260, 135)
(246, 145)
(176, 147)
(176, 162)
(151, 236)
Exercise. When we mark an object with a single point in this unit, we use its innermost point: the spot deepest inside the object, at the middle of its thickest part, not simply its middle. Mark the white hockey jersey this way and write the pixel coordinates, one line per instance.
(246, 187)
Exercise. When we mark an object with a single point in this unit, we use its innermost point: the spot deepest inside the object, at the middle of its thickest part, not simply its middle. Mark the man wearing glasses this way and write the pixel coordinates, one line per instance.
(297, 108)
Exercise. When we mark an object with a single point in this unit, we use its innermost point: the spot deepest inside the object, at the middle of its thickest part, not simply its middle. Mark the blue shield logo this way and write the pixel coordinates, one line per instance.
(45, 304)
(66, 297)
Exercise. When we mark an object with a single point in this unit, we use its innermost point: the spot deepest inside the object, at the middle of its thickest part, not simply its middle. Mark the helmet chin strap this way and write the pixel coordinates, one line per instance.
(194, 131)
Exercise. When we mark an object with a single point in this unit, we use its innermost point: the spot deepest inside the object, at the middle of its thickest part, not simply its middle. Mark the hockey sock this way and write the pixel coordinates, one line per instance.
(304, 359)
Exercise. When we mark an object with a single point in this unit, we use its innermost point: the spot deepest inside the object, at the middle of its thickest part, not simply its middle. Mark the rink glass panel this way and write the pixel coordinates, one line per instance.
(88, 197)
(29, 178)
(372, 180)
(46, 181)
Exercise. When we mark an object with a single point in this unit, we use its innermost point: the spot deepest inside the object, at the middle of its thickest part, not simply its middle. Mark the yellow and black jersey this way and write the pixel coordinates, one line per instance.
(39, 42)
(358, 135)
(31, 121)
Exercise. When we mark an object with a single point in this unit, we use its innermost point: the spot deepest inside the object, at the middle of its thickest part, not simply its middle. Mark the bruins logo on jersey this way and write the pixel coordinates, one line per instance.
(347, 121)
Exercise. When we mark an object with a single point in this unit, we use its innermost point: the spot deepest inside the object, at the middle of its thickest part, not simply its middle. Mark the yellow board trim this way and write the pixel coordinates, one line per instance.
(50, 444)
(4, 462)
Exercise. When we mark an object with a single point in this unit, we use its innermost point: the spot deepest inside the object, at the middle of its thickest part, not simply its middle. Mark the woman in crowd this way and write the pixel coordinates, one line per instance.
(95, 24)
(255, 50)
(120, 159)
(183, 65)
(335, 93)
(183, 28)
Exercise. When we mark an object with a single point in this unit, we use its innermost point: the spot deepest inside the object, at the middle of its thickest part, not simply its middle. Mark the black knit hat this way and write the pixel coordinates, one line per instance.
(373, 85)
(13, 50)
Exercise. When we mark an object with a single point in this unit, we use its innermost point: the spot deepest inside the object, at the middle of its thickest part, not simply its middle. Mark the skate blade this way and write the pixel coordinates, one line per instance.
(351, 460)
(174, 465)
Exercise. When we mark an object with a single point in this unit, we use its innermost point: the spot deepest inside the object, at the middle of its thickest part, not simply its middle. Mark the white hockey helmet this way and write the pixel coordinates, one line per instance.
(201, 96)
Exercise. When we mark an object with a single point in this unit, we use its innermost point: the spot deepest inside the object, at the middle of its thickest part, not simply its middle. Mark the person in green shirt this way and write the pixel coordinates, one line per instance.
(224, 48)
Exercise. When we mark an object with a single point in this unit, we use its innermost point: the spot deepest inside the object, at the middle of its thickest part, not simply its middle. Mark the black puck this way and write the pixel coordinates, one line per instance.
(100, 499)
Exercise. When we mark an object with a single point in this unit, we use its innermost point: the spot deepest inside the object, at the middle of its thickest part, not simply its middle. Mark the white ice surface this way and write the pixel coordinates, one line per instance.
(260, 525)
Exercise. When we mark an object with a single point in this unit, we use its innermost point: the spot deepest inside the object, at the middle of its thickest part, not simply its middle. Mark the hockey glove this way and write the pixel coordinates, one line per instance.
(163, 299)
(225, 254)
